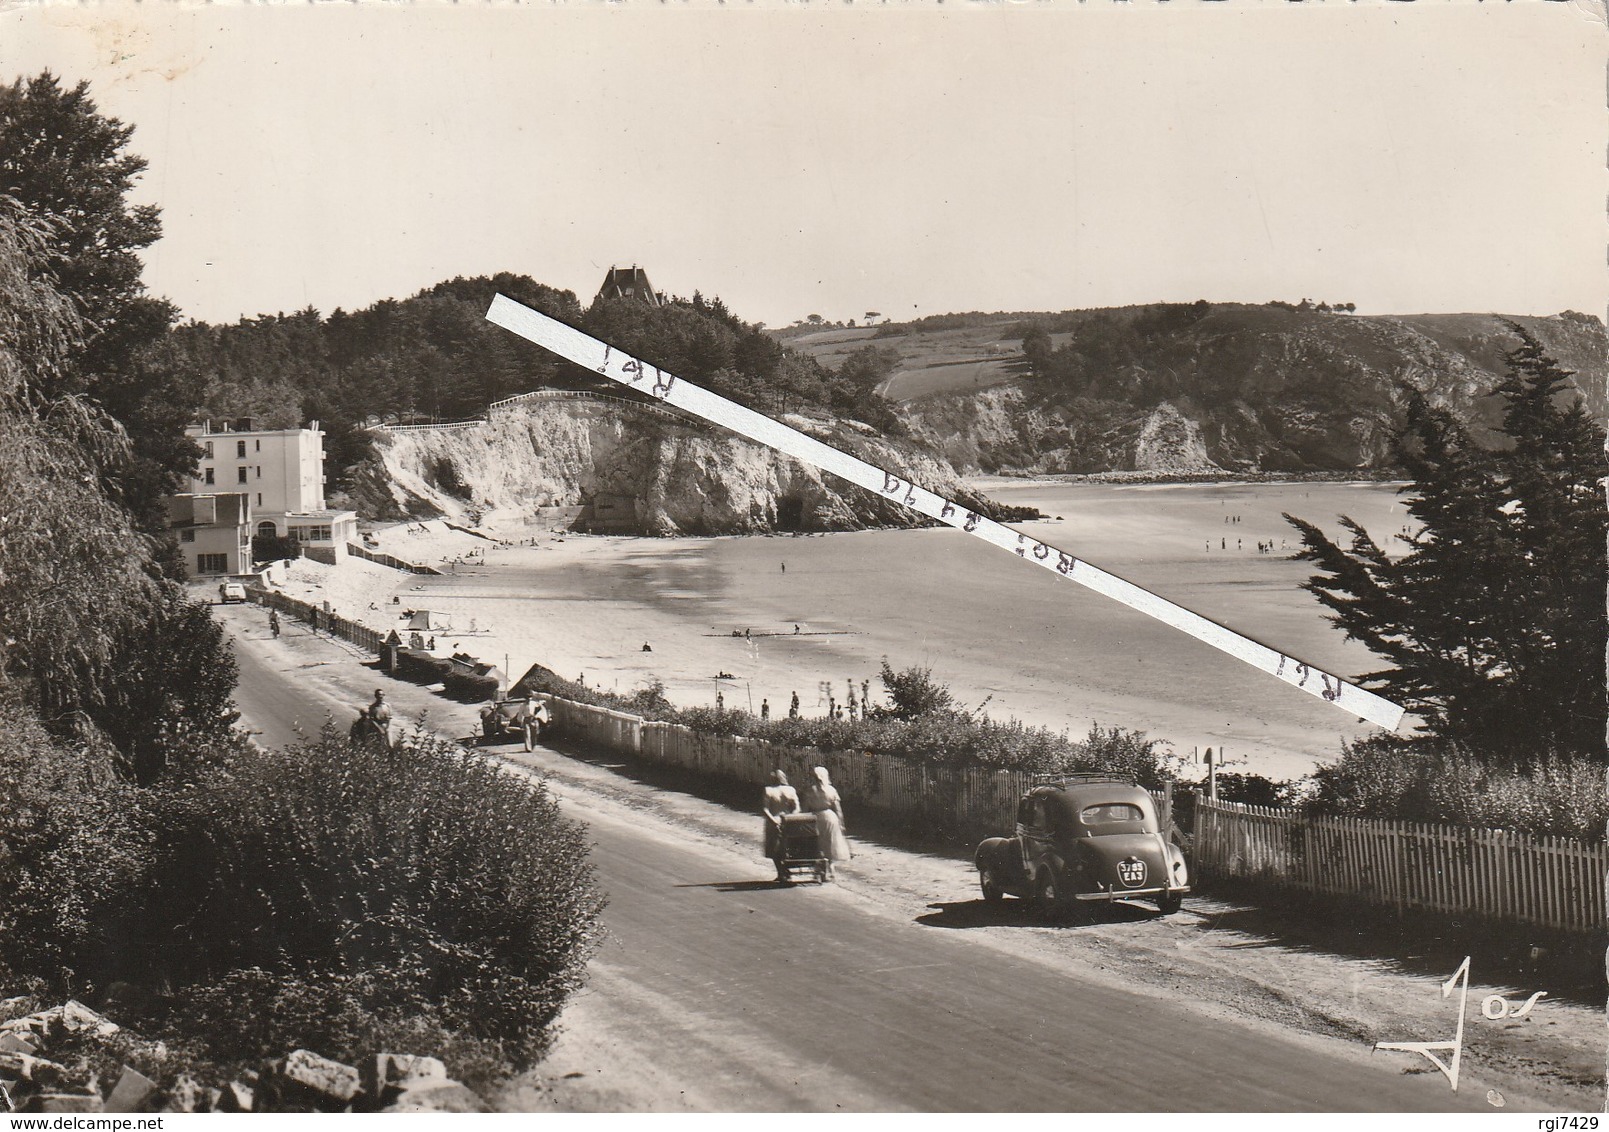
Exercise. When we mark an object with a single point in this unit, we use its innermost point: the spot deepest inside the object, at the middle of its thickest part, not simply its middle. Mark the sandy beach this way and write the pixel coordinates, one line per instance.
(1030, 644)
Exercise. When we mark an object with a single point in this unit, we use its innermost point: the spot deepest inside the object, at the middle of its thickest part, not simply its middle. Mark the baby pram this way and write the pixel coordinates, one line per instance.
(800, 850)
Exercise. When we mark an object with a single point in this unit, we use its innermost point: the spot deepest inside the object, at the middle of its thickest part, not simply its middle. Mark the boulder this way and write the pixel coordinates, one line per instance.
(63, 1102)
(76, 1018)
(13, 1041)
(329, 1082)
(431, 1095)
(132, 1092)
(186, 1094)
(386, 1071)
(29, 1068)
(237, 1097)
(41, 1025)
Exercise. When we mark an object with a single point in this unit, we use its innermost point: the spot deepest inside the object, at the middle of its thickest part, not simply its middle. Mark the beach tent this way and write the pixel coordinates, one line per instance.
(426, 621)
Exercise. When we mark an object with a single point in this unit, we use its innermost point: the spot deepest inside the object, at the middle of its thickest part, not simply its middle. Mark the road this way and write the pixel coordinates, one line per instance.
(718, 991)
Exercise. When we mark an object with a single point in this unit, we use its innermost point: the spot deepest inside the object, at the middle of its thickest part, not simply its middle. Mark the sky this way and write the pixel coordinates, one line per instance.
(829, 159)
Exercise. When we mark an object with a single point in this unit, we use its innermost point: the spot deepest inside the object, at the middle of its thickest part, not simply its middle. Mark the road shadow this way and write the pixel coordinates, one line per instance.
(741, 885)
(1569, 967)
(1011, 913)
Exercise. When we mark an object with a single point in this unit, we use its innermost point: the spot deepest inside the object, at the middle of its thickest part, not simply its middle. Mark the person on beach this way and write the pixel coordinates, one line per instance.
(821, 799)
(720, 702)
(784, 567)
(780, 800)
(796, 630)
(793, 707)
(646, 647)
(765, 709)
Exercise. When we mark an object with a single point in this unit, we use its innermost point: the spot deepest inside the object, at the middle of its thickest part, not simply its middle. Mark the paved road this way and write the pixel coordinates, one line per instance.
(740, 995)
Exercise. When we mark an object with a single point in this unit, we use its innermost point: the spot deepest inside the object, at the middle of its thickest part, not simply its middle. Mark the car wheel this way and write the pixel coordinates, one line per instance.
(1169, 903)
(992, 892)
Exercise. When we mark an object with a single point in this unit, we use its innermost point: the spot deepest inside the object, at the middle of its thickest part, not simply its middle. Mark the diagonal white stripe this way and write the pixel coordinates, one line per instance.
(585, 350)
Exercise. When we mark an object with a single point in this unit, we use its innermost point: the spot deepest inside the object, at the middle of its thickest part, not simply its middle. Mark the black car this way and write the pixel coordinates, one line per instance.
(1085, 838)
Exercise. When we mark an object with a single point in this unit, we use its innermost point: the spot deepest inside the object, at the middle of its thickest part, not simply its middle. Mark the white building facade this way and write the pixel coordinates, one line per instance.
(281, 472)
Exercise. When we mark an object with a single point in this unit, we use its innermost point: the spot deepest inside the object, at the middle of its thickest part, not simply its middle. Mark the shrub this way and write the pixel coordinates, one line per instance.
(463, 683)
(1429, 780)
(325, 895)
(421, 667)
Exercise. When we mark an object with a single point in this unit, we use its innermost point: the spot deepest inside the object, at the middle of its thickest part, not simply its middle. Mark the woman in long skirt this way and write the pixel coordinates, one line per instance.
(822, 800)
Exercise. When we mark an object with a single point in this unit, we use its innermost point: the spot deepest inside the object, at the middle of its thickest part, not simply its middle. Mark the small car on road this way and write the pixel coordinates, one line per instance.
(231, 592)
(515, 718)
(1080, 838)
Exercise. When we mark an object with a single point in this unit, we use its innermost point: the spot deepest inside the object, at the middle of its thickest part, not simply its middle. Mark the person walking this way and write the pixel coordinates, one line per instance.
(765, 710)
(273, 622)
(793, 707)
(380, 716)
(720, 703)
(822, 799)
(780, 800)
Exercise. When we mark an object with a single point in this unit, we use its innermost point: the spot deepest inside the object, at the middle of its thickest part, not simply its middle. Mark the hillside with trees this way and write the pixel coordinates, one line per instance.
(1281, 387)
(434, 357)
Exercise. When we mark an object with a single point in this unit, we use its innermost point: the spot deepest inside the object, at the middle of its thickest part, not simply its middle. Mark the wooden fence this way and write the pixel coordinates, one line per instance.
(970, 801)
(390, 560)
(1553, 882)
(321, 621)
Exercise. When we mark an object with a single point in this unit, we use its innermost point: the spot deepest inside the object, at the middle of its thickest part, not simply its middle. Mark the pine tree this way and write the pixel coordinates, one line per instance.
(1493, 623)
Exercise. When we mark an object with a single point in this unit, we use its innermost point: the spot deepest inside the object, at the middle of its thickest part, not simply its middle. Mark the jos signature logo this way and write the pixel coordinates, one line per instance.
(1493, 1006)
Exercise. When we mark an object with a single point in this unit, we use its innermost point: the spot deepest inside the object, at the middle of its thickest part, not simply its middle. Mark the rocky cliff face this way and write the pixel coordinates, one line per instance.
(651, 474)
(1250, 390)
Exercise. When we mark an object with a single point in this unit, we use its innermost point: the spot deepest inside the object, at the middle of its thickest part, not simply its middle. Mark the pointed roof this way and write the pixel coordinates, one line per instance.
(629, 283)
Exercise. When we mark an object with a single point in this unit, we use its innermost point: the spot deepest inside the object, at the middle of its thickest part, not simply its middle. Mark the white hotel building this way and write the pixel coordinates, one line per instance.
(281, 474)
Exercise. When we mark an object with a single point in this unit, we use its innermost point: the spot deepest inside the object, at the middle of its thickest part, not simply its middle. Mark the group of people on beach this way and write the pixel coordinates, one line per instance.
(819, 798)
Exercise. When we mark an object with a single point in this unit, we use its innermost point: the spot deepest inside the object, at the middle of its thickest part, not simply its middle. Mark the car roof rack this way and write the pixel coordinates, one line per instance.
(1080, 777)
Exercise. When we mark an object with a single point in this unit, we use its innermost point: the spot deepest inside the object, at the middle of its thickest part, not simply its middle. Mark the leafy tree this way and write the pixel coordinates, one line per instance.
(90, 633)
(67, 164)
(1493, 623)
(913, 693)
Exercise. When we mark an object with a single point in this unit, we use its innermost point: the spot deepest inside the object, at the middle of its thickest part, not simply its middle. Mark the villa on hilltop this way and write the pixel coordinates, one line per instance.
(629, 283)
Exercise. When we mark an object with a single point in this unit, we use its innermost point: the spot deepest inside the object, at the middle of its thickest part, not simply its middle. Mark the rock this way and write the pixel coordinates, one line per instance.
(13, 1005)
(398, 1070)
(186, 1095)
(76, 1018)
(329, 1081)
(29, 1068)
(237, 1097)
(63, 1102)
(430, 1095)
(41, 1025)
(12, 1041)
(131, 1093)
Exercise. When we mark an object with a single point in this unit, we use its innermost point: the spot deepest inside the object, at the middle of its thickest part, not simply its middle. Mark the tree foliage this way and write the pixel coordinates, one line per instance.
(1493, 623)
(68, 168)
(88, 625)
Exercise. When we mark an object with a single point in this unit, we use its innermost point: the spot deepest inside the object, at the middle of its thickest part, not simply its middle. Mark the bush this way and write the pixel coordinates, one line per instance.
(1429, 780)
(421, 667)
(463, 683)
(325, 895)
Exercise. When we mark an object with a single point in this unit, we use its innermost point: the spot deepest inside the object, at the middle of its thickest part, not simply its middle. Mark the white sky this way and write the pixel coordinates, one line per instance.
(1444, 156)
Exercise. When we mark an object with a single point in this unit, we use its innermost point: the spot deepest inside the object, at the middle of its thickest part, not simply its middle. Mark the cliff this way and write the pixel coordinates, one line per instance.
(630, 469)
(1249, 389)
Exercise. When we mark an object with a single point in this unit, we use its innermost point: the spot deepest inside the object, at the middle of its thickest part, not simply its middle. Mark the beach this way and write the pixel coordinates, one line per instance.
(1006, 636)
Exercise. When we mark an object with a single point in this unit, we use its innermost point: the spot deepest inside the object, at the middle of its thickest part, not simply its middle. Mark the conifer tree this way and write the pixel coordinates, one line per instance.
(1493, 623)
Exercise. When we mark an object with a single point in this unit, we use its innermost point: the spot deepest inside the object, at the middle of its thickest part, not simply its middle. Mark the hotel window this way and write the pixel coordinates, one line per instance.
(259, 471)
(259, 499)
(187, 536)
(212, 563)
(240, 448)
(259, 445)
(209, 449)
(242, 473)
(209, 475)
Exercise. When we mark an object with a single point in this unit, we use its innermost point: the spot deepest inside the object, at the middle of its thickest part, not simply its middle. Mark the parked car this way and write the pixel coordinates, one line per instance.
(231, 592)
(1084, 837)
(518, 717)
